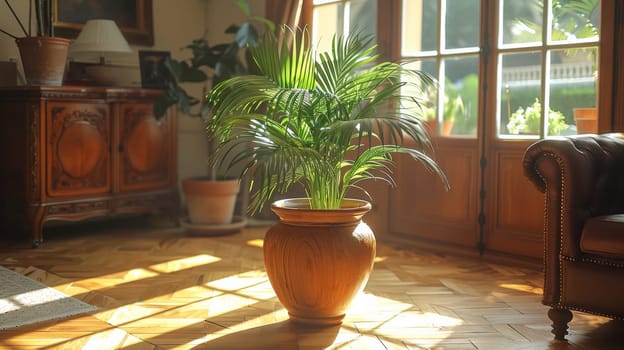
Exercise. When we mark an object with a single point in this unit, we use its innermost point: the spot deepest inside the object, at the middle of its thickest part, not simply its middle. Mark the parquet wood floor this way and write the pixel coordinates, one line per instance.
(157, 288)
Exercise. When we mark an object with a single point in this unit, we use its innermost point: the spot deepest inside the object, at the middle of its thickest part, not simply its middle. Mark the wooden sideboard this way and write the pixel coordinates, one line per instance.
(73, 153)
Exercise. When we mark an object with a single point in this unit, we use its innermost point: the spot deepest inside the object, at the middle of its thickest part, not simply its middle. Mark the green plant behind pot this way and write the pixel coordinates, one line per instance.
(223, 60)
(327, 121)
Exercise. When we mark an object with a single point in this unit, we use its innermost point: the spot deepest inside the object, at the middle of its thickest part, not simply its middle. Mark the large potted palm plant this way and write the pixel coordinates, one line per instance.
(326, 123)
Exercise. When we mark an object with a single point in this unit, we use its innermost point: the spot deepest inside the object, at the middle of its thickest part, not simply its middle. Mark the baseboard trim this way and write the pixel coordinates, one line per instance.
(401, 241)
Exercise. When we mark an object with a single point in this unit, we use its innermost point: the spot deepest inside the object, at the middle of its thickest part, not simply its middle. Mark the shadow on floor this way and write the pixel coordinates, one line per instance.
(283, 335)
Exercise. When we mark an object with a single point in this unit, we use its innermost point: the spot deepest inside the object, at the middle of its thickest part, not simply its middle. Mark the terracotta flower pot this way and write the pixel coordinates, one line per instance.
(43, 59)
(586, 120)
(210, 202)
(318, 260)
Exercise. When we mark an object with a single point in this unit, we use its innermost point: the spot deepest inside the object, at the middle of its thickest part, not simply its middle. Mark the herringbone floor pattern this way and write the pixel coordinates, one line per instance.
(160, 289)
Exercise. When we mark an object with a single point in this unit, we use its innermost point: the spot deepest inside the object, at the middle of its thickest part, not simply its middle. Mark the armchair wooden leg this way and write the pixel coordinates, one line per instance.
(560, 319)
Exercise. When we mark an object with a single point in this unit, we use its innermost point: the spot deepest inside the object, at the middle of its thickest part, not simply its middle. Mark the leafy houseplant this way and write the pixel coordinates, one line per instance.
(223, 60)
(210, 200)
(43, 56)
(302, 118)
(327, 123)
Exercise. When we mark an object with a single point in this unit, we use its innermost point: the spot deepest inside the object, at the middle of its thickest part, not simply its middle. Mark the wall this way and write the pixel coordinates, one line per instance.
(175, 26)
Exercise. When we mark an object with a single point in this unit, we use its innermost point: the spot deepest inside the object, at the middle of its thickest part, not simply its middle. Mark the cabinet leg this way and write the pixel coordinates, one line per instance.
(560, 319)
(36, 230)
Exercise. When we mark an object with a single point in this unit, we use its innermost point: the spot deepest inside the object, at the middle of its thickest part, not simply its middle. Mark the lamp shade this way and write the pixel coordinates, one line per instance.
(100, 36)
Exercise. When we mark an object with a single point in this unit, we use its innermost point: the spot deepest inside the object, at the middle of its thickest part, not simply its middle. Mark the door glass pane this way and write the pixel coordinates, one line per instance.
(462, 24)
(363, 17)
(343, 18)
(461, 84)
(327, 22)
(420, 27)
(519, 90)
(572, 92)
(425, 102)
(521, 22)
(574, 20)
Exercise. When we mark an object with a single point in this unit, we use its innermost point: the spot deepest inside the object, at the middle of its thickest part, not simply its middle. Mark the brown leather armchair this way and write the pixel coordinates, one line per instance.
(582, 178)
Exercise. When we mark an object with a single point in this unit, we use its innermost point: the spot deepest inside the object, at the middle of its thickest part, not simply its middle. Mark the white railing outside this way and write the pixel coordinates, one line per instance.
(562, 71)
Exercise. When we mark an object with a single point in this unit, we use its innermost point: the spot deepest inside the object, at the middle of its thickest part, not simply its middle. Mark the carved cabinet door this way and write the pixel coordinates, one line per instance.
(144, 147)
(78, 149)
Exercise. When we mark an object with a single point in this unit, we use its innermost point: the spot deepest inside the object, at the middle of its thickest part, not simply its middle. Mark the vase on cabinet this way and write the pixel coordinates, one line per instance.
(43, 59)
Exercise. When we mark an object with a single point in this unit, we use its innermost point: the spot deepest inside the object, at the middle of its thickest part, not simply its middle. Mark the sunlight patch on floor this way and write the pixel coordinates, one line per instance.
(140, 273)
(239, 281)
(258, 243)
(395, 321)
(522, 288)
(112, 339)
(184, 263)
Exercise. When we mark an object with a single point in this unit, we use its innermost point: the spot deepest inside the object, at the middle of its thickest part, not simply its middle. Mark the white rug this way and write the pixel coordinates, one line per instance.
(24, 301)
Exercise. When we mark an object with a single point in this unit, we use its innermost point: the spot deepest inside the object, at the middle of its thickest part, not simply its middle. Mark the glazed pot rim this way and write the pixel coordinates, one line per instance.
(55, 39)
(303, 204)
(297, 211)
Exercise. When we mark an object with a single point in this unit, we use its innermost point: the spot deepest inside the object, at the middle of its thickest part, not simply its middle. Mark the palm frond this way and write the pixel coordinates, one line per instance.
(304, 119)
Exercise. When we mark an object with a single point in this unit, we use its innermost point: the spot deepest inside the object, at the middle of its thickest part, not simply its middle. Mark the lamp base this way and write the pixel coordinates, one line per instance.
(93, 74)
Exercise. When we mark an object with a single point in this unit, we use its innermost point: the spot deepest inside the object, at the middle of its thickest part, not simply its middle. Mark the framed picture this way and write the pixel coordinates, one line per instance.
(154, 74)
(134, 17)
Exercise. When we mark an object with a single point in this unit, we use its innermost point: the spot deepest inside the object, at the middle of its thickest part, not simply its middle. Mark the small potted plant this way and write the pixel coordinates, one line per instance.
(325, 122)
(452, 108)
(43, 55)
(527, 121)
(210, 200)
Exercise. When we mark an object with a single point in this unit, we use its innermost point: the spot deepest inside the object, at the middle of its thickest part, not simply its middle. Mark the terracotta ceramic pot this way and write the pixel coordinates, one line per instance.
(586, 120)
(43, 59)
(210, 202)
(318, 260)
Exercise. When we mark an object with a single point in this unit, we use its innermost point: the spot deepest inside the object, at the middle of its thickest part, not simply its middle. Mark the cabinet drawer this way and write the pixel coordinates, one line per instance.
(78, 148)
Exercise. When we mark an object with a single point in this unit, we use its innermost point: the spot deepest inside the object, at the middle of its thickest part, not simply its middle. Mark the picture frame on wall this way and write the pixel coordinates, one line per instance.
(154, 73)
(133, 17)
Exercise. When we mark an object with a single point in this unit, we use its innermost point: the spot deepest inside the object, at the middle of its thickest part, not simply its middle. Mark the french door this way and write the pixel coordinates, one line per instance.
(508, 73)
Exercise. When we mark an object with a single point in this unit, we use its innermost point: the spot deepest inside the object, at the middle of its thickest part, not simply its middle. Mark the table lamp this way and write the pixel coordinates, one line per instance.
(99, 37)
(102, 38)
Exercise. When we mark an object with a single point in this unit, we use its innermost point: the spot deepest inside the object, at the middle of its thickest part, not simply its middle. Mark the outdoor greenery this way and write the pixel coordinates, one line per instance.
(326, 121)
(563, 98)
(570, 20)
(527, 120)
(453, 104)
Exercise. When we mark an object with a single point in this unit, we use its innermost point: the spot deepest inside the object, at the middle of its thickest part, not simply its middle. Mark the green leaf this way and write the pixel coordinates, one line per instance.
(246, 35)
(326, 122)
(243, 6)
